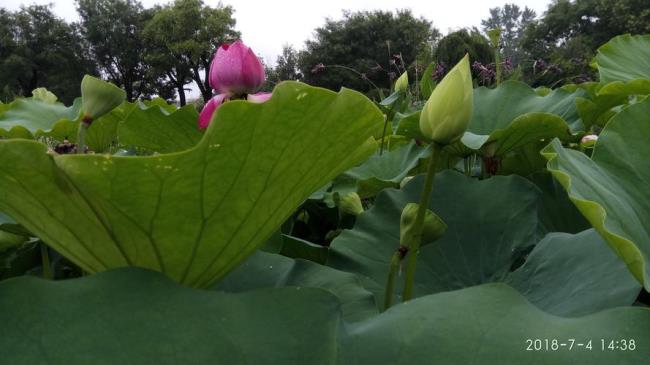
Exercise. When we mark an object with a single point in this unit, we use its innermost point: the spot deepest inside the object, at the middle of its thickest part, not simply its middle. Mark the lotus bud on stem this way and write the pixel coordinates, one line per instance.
(495, 36)
(425, 197)
(443, 120)
(418, 226)
(97, 98)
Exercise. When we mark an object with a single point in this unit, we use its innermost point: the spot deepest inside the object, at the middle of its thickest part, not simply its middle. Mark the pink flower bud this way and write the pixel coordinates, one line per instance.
(259, 97)
(208, 110)
(589, 138)
(236, 70)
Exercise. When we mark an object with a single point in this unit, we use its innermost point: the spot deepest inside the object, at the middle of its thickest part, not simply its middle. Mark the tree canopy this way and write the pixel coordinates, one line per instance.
(113, 29)
(364, 48)
(39, 49)
(512, 21)
(570, 32)
(180, 40)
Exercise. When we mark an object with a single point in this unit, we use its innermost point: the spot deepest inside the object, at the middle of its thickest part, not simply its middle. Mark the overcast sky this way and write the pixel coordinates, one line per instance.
(267, 25)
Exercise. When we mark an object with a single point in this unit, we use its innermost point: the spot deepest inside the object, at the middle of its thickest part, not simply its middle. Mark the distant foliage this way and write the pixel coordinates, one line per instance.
(567, 36)
(370, 45)
(287, 65)
(512, 20)
(39, 49)
(453, 47)
(181, 39)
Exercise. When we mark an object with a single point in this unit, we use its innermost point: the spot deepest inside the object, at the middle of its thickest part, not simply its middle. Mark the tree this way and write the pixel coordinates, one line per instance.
(453, 47)
(570, 32)
(38, 49)
(512, 21)
(287, 64)
(364, 49)
(181, 39)
(113, 29)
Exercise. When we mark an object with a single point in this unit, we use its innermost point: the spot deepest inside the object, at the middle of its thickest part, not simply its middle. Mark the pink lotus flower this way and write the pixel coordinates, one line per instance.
(208, 110)
(236, 70)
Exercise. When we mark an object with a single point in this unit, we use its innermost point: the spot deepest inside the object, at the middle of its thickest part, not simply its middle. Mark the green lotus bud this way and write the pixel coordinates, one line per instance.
(351, 204)
(402, 83)
(98, 98)
(445, 116)
(494, 35)
(44, 95)
(432, 229)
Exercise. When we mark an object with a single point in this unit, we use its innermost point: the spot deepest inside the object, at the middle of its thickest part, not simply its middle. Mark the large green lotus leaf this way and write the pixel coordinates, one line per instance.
(596, 108)
(36, 115)
(379, 172)
(5, 219)
(160, 130)
(267, 270)
(524, 160)
(496, 108)
(492, 225)
(612, 189)
(525, 129)
(491, 324)
(556, 278)
(134, 316)
(409, 126)
(196, 214)
(623, 65)
(556, 212)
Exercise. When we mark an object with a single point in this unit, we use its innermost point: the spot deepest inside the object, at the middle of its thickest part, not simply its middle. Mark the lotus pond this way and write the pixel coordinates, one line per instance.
(444, 224)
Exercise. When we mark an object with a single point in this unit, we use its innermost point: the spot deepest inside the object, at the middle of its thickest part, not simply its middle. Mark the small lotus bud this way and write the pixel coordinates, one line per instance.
(494, 35)
(588, 141)
(98, 98)
(402, 83)
(432, 229)
(351, 204)
(446, 115)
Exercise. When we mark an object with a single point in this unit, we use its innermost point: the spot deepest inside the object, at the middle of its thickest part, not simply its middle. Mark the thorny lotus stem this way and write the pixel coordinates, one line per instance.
(383, 134)
(81, 134)
(45, 259)
(395, 261)
(412, 255)
(497, 63)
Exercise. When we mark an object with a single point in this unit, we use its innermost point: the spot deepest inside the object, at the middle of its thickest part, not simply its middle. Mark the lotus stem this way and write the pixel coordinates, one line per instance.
(425, 197)
(81, 136)
(395, 261)
(45, 258)
(498, 66)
